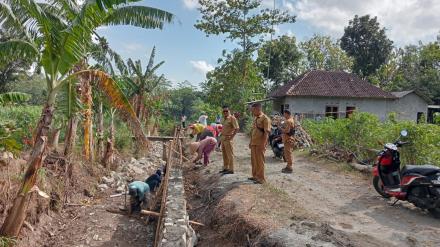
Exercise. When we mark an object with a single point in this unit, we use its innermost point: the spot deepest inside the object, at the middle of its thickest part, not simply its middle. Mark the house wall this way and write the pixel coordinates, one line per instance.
(408, 106)
(313, 106)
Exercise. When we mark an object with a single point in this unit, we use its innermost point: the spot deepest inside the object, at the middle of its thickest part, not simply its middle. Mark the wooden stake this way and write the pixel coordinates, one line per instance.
(150, 213)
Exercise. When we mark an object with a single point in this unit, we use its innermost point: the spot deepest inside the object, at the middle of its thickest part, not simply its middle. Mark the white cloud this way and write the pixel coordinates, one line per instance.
(191, 4)
(406, 21)
(133, 47)
(201, 66)
(267, 4)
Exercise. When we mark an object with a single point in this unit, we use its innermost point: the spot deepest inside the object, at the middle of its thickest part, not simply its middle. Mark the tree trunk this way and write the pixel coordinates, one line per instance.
(108, 159)
(86, 98)
(140, 106)
(100, 132)
(17, 214)
(70, 139)
(54, 139)
(109, 153)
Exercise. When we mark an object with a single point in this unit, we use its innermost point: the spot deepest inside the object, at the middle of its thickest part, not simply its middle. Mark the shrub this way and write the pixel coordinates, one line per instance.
(24, 119)
(123, 137)
(364, 131)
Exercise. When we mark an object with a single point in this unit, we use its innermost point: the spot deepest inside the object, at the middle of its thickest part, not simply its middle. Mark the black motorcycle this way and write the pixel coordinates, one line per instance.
(418, 184)
(276, 142)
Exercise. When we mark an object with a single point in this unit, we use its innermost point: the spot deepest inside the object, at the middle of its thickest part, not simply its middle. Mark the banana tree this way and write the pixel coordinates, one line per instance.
(13, 98)
(57, 34)
(141, 84)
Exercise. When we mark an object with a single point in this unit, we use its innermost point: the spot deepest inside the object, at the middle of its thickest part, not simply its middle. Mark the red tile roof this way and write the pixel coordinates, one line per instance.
(330, 84)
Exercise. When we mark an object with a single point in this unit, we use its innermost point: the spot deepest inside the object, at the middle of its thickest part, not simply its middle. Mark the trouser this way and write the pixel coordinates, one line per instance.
(136, 203)
(288, 148)
(206, 152)
(228, 155)
(257, 161)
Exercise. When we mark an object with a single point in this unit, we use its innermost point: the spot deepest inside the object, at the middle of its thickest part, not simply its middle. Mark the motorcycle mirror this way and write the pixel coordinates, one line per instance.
(404, 133)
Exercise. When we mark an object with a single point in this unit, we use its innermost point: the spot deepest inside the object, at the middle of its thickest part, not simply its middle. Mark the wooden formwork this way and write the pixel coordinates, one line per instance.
(173, 157)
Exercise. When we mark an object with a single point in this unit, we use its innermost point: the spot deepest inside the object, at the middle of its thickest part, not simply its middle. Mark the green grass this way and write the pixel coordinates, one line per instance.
(7, 241)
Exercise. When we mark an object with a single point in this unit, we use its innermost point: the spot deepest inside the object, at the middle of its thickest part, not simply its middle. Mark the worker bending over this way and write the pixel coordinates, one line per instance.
(139, 194)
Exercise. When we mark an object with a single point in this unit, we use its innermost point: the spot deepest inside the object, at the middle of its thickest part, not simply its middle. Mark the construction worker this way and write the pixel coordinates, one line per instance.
(229, 130)
(259, 138)
(203, 149)
(200, 131)
(139, 192)
(288, 130)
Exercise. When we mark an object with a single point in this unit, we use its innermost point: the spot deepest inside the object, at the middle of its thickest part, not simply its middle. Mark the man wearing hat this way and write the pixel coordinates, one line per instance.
(259, 138)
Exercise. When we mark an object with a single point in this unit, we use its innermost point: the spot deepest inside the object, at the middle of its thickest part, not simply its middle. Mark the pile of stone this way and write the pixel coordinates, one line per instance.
(302, 138)
(135, 169)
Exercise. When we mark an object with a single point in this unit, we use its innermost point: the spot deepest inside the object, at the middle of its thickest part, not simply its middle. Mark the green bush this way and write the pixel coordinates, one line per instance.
(24, 119)
(364, 131)
(123, 137)
(437, 118)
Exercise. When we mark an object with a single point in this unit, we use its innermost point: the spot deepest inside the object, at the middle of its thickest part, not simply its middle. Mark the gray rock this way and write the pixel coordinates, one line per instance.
(107, 180)
(120, 189)
(102, 187)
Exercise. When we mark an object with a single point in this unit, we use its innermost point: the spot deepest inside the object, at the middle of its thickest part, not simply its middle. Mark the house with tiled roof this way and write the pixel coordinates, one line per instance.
(317, 93)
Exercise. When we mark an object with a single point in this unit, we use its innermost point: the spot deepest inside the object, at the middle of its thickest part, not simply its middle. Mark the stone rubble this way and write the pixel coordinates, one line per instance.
(135, 169)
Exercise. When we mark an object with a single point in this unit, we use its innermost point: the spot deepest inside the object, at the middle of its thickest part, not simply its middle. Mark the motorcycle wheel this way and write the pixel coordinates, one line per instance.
(435, 212)
(378, 186)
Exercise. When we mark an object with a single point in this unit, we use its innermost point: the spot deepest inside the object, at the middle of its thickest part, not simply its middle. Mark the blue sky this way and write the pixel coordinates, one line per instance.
(189, 54)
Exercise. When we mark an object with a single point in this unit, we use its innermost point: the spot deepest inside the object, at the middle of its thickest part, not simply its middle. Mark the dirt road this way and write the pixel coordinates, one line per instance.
(344, 199)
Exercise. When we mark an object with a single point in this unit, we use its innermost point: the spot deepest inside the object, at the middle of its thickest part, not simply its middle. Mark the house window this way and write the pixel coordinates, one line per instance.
(349, 111)
(331, 111)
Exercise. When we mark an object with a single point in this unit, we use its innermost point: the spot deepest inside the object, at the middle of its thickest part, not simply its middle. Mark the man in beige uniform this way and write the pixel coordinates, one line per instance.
(259, 137)
(288, 130)
(230, 129)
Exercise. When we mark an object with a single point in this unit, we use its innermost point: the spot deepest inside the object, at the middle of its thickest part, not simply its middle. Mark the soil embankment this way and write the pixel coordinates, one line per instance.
(320, 204)
(84, 219)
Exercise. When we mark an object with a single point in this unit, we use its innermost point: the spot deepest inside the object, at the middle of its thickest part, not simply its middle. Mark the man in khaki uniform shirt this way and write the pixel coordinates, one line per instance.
(288, 130)
(230, 129)
(259, 137)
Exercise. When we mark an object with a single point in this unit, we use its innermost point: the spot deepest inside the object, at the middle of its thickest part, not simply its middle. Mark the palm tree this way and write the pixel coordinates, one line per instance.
(57, 34)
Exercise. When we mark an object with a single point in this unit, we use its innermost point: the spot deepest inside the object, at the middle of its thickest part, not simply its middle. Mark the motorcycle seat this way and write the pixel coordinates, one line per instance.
(424, 170)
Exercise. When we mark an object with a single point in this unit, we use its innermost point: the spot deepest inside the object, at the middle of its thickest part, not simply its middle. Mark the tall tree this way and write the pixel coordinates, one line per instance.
(58, 35)
(225, 84)
(367, 43)
(321, 52)
(280, 60)
(242, 21)
(181, 101)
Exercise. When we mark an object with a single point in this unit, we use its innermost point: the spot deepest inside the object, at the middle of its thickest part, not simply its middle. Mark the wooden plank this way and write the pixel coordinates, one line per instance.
(164, 138)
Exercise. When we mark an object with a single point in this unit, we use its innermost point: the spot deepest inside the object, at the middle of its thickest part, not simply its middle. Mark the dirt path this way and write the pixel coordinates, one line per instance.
(93, 226)
(344, 199)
